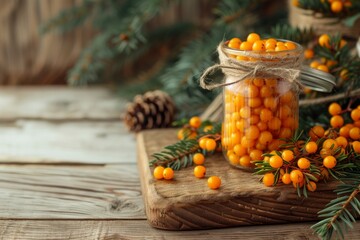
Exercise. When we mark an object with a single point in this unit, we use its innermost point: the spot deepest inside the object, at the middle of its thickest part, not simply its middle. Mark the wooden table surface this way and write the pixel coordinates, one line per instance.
(68, 170)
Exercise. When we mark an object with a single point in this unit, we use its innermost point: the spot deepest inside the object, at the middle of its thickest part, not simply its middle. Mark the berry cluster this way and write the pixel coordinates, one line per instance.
(304, 163)
(326, 64)
(335, 6)
(207, 139)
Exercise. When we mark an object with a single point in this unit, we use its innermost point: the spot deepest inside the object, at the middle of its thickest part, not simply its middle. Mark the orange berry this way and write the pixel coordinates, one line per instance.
(344, 131)
(214, 182)
(245, 112)
(324, 41)
(330, 144)
(280, 48)
(341, 141)
(265, 137)
(270, 103)
(234, 43)
(252, 91)
(329, 162)
(274, 124)
(258, 45)
(303, 163)
(336, 6)
(296, 176)
(262, 126)
(354, 133)
(290, 45)
(285, 133)
(233, 159)
(314, 64)
(265, 115)
(311, 147)
(246, 46)
(337, 121)
(195, 122)
(186, 133)
(252, 132)
(355, 114)
(158, 172)
(344, 74)
(266, 91)
(356, 146)
(323, 68)
(210, 145)
(309, 53)
(245, 161)
(255, 154)
(334, 109)
(168, 173)
(247, 143)
(268, 179)
(199, 171)
(198, 158)
(253, 37)
(276, 161)
(287, 155)
(316, 132)
(311, 186)
(239, 150)
(202, 142)
(286, 178)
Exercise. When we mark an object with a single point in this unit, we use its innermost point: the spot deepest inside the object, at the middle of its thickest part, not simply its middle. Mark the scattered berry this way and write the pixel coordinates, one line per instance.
(168, 173)
(198, 158)
(214, 182)
(158, 172)
(199, 171)
(268, 179)
(195, 122)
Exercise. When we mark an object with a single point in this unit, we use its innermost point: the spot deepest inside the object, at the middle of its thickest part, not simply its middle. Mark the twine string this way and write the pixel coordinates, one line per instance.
(285, 66)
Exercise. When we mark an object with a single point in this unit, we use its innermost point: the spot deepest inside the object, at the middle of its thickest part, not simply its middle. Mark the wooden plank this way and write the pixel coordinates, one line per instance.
(187, 203)
(139, 229)
(57, 103)
(76, 192)
(26, 141)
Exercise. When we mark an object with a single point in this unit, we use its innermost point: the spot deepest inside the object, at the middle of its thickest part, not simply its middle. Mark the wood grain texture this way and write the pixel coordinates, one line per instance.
(72, 192)
(59, 103)
(87, 142)
(187, 203)
(140, 229)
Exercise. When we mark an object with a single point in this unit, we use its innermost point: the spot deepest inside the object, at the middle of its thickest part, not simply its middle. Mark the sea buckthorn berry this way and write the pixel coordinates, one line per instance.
(270, 103)
(247, 143)
(316, 132)
(168, 173)
(158, 172)
(254, 102)
(276, 161)
(323, 68)
(233, 159)
(280, 48)
(284, 111)
(239, 150)
(337, 121)
(330, 144)
(245, 112)
(311, 147)
(199, 171)
(255, 154)
(210, 144)
(253, 37)
(286, 178)
(266, 115)
(356, 146)
(287, 155)
(234, 43)
(344, 131)
(303, 163)
(245, 161)
(252, 132)
(344, 74)
(309, 53)
(262, 126)
(268, 179)
(195, 122)
(202, 142)
(290, 45)
(186, 133)
(311, 186)
(341, 141)
(324, 152)
(329, 162)
(354, 133)
(271, 82)
(296, 176)
(198, 158)
(275, 144)
(324, 41)
(334, 109)
(246, 46)
(252, 91)
(214, 182)
(336, 6)
(265, 137)
(355, 114)
(258, 45)
(260, 146)
(208, 128)
(274, 123)
(259, 82)
(314, 64)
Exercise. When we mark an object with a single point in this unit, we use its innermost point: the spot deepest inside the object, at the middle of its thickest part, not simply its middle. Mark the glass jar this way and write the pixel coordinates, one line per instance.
(261, 109)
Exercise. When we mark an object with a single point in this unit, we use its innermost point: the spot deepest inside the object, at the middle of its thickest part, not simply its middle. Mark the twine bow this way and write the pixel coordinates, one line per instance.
(284, 65)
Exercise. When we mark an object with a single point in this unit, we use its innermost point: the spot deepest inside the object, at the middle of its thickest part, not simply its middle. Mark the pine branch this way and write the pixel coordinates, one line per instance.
(321, 100)
(337, 214)
(285, 31)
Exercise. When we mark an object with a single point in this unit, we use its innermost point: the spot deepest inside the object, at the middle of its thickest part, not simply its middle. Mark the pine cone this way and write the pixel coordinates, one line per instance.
(152, 110)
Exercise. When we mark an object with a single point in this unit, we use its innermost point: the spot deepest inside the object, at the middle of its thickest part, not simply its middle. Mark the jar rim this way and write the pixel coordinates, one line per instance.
(283, 54)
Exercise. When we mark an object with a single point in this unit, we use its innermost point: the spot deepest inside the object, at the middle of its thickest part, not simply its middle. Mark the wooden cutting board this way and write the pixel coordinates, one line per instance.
(186, 202)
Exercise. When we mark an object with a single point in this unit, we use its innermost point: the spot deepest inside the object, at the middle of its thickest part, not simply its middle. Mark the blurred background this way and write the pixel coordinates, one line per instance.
(137, 46)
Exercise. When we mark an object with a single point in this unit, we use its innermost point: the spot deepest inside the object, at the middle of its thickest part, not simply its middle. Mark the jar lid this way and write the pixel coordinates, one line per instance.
(317, 80)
